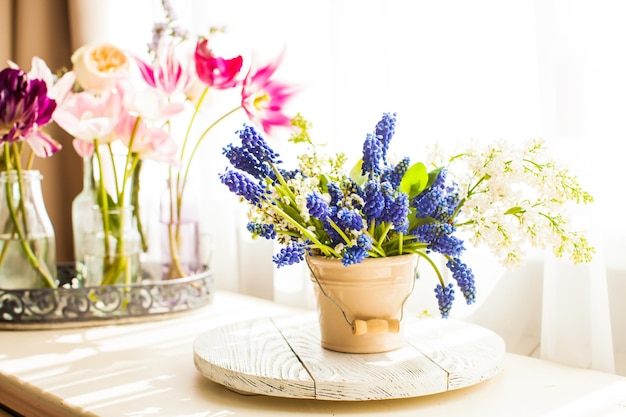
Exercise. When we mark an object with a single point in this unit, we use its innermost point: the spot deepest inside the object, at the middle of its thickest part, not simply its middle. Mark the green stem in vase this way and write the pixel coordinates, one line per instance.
(177, 190)
(104, 202)
(176, 269)
(135, 187)
(22, 233)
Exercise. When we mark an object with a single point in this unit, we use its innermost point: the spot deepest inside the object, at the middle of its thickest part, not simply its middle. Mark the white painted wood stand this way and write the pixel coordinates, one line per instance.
(282, 357)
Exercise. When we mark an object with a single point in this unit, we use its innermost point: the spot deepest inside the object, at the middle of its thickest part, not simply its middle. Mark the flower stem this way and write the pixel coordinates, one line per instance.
(104, 201)
(181, 184)
(22, 233)
(432, 264)
(306, 232)
(135, 202)
(384, 234)
(177, 190)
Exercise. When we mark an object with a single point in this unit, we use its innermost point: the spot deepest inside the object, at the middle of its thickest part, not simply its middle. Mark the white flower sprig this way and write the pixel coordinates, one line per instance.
(514, 196)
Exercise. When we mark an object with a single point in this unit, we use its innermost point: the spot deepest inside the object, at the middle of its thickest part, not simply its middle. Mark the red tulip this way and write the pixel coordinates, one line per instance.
(215, 71)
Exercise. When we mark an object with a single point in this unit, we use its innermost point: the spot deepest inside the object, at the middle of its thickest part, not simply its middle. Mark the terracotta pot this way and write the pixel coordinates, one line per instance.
(360, 306)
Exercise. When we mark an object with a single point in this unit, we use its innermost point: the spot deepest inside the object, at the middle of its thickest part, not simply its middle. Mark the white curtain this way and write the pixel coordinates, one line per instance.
(453, 70)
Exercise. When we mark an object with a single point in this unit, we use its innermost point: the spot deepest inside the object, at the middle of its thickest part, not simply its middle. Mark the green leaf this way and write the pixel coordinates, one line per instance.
(294, 213)
(517, 211)
(415, 180)
(356, 173)
(324, 180)
(432, 176)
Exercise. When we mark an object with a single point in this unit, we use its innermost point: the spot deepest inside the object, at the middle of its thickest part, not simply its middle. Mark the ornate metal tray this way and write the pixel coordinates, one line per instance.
(45, 308)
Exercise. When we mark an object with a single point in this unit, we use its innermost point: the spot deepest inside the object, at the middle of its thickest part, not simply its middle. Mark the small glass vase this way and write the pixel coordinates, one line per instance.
(180, 234)
(112, 249)
(27, 239)
(82, 206)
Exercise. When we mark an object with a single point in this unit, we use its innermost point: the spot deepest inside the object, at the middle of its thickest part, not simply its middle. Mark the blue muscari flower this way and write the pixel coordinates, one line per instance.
(336, 195)
(447, 245)
(372, 156)
(243, 160)
(464, 278)
(453, 198)
(243, 186)
(374, 201)
(394, 174)
(440, 179)
(429, 232)
(404, 227)
(333, 235)
(261, 229)
(288, 174)
(439, 238)
(317, 206)
(289, 255)
(364, 241)
(349, 220)
(429, 200)
(353, 255)
(445, 297)
(396, 210)
(447, 205)
(351, 187)
(384, 131)
(256, 145)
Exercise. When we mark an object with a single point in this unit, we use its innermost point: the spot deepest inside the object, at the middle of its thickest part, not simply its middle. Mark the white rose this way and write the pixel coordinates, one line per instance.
(97, 66)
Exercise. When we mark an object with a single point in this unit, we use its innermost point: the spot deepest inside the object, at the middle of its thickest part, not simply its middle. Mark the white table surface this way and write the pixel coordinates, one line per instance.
(147, 369)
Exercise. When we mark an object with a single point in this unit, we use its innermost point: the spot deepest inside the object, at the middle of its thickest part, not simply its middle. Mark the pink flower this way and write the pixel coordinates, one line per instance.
(58, 89)
(151, 104)
(83, 148)
(214, 71)
(88, 117)
(148, 142)
(169, 74)
(263, 98)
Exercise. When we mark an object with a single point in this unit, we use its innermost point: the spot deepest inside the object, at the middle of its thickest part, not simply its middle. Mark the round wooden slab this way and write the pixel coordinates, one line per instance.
(282, 357)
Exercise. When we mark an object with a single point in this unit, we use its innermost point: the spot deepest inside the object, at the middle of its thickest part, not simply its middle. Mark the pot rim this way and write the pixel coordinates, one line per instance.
(392, 260)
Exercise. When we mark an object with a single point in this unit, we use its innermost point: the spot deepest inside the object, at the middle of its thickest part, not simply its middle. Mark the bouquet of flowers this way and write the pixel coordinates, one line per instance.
(501, 195)
(190, 76)
(114, 113)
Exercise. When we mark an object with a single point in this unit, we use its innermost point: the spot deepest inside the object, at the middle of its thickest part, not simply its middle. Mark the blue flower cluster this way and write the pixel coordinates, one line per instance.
(263, 230)
(254, 156)
(445, 297)
(389, 210)
(243, 186)
(290, 254)
(464, 278)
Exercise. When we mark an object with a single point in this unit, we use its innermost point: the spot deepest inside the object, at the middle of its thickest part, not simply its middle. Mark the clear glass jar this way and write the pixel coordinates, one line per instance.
(112, 249)
(180, 233)
(27, 239)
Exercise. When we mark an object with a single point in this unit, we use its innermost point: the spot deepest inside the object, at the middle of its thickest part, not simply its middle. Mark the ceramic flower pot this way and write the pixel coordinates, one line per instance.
(361, 306)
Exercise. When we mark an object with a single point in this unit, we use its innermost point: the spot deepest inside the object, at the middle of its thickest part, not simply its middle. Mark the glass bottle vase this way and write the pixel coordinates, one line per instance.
(27, 239)
(112, 248)
(180, 233)
(82, 207)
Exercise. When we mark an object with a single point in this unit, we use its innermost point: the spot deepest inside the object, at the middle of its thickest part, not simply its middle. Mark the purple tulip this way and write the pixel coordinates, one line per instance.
(24, 108)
